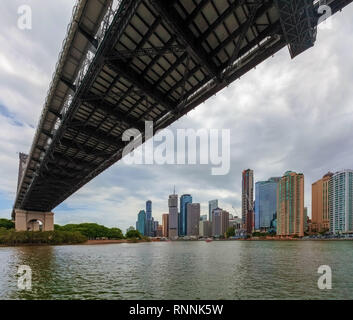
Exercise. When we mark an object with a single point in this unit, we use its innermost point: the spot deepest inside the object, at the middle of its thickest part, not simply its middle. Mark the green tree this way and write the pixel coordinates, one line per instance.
(115, 233)
(7, 224)
(11, 237)
(133, 234)
(92, 230)
(230, 232)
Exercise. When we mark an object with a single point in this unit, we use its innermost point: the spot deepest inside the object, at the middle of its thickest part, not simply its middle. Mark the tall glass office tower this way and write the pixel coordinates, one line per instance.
(265, 203)
(141, 222)
(212, 204)
(184, 200)
(149, 210)
(149, 219)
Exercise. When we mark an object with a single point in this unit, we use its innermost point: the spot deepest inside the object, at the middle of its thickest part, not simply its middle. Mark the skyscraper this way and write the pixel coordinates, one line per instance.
(149, 219)
(216, 222)
(173, 216)
(141, 222)
(165, 224)
(193, 219)
(247, 209)
(149, 210)
(224, 221)
(290, 205)
(159, 232)
(205, 228)
(266, 203)
(320, 204)
(341, 201)
(220, 222)
(184, 200)
(155, 228)
(212, 204)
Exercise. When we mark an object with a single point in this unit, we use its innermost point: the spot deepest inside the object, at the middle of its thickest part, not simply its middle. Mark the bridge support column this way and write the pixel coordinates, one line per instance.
(33, 220)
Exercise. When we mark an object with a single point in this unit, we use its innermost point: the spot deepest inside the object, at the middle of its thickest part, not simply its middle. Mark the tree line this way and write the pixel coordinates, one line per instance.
(66, 234)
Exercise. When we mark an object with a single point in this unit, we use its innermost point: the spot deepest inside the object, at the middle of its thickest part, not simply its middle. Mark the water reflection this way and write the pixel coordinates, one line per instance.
(39, 259)
(180, 270)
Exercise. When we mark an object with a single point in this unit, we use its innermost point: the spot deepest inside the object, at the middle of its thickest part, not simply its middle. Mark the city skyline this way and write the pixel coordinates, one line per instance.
(278, 207)
(256, 109)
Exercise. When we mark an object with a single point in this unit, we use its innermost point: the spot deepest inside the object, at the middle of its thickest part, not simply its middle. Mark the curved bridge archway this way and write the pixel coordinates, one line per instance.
(34, 221)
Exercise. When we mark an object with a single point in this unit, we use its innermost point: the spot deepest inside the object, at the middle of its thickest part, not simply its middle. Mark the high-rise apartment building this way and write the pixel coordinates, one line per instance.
(224, 221)
(320, 204)
(212, 204)
(185, 199)
(205, 228)
(173, 216)
(220, 222)
(155, 228)
(247, 209)
(165, 224)
(159, 232)
(216, 222)
(193, 219)
(290, 205)
(265, 203)
(341, 201)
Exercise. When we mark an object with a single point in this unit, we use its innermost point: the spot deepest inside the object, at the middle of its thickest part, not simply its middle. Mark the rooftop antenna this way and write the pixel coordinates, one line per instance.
(174, 189)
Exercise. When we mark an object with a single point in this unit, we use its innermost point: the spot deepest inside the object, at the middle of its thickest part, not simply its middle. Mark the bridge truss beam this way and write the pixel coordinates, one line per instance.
(168, 14)
(298, 24)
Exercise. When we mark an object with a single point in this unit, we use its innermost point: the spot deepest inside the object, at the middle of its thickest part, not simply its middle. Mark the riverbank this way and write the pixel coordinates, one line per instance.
(103, 242)
(88, 242)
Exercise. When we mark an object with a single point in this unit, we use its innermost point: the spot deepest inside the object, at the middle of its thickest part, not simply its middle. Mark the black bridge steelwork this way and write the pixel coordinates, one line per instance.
(149, 60)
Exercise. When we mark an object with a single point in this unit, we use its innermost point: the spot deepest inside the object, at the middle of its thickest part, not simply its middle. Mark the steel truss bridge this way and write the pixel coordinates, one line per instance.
(128, 61)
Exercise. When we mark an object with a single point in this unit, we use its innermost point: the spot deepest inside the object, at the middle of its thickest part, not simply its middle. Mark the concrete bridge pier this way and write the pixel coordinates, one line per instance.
(33, 220)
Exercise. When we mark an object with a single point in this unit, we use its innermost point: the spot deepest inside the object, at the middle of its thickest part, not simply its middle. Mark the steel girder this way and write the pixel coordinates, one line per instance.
(137, 81)
(298, 24)
(110, 109)
(168, 14)
(156, 51)
(23, 163)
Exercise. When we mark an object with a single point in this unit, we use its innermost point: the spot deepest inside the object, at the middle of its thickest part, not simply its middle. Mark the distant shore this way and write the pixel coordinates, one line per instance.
(88, 242)
(103, 242)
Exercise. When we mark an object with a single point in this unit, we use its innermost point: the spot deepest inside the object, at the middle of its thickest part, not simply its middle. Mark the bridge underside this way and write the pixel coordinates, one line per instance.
(158, 60)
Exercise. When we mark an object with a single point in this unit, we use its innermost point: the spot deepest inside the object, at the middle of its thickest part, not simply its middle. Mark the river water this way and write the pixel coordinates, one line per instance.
(180, 270)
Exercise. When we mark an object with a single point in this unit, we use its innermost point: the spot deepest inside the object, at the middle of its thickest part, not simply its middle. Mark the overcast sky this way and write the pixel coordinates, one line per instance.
(285, 115)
